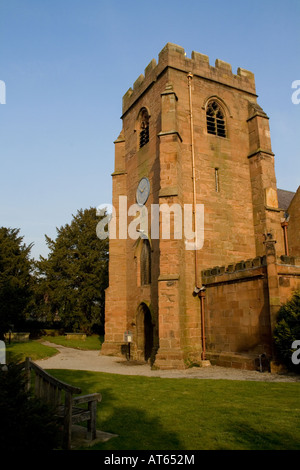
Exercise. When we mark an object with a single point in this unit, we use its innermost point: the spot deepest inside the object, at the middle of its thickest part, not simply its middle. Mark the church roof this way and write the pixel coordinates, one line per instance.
(284, 198)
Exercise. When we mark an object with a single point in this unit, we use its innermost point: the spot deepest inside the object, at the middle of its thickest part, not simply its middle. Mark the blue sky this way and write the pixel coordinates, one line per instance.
(66, 65)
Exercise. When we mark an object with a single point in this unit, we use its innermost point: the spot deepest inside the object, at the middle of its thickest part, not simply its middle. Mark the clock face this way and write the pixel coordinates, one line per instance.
(143, 191)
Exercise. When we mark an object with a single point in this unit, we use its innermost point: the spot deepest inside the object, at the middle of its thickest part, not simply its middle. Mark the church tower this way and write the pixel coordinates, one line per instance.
(194, 151)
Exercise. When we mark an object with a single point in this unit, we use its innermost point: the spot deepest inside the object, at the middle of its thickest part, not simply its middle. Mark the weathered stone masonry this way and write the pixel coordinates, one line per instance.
(185, 315)
(239, 317)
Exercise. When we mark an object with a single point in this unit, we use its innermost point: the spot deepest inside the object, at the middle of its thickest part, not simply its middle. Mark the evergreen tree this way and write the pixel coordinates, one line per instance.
(287, 330)
(72, 280)
(15, 278)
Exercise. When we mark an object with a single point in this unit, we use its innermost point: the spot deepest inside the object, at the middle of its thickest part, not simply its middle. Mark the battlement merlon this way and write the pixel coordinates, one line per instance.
(226, 272)
(174, 56)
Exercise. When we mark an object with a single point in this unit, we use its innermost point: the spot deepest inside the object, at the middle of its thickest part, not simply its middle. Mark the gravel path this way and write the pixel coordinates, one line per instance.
(75, 359)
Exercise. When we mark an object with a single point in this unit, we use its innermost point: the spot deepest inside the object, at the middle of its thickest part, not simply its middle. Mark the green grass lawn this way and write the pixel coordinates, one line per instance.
(192, 414)
(19, 351)
(91, 342)
(36, 350)
(182, 414)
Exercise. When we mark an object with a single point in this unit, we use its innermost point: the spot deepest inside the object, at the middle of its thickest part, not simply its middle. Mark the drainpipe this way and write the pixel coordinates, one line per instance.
(190, 77)
(197, 291)
(284, 225)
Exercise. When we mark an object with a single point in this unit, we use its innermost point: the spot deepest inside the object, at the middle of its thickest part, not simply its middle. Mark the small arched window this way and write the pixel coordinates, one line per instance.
(145, 263)
(143, 127)
(215, 119)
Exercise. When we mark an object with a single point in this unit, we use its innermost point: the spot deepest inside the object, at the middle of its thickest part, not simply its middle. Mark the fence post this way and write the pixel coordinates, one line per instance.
(28, 374)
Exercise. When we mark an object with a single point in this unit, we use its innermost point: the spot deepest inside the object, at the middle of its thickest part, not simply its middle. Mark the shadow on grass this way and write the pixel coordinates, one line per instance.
(135, 427)
(169, 414)
(137, 430)
(125, 410)
(245, 436)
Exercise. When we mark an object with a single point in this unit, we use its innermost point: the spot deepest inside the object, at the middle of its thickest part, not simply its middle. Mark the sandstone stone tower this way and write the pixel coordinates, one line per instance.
(192, 134)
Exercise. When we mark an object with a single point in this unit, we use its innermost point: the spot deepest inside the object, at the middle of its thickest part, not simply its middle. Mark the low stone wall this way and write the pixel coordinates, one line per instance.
(288, 280)
(210, 275)
(78, 336)
(288, 260)
(237, 361)
(237, 313)
(237, 309)
(17, 337)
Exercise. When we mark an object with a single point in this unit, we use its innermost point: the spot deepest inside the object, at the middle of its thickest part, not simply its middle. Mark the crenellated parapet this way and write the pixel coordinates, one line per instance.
(174, 56)
(289, 260)
(243, 267)
(209, 275)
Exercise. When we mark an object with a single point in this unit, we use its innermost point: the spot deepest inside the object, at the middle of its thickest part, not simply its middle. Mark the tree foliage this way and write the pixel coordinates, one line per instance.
(15, 278)
(71, 282)
(287, 330)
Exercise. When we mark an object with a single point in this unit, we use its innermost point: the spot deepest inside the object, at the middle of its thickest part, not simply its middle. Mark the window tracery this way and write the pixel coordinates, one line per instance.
(215, 119)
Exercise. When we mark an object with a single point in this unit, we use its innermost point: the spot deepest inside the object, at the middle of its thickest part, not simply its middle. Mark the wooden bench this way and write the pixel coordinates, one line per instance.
(59, 395)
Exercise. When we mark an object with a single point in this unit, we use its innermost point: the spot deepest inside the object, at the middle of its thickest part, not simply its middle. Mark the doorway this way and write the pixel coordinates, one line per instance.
(144, 332)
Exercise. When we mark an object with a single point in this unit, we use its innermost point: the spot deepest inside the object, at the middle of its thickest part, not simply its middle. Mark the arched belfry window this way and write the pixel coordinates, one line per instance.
(143, 127)
(145, 263)
(215, 119)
